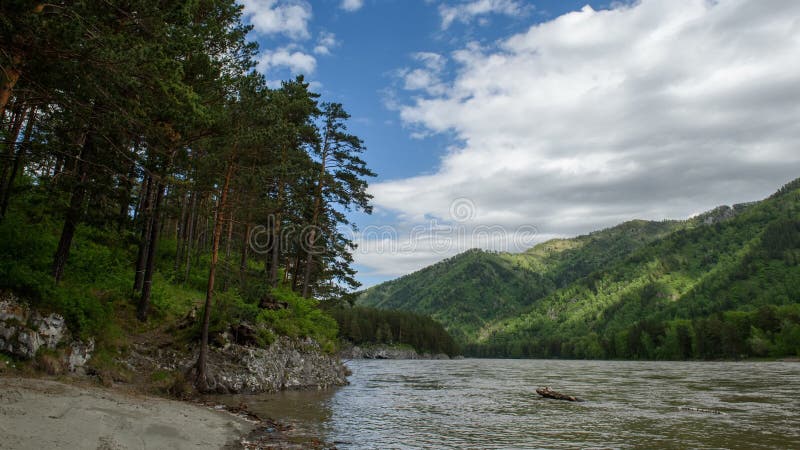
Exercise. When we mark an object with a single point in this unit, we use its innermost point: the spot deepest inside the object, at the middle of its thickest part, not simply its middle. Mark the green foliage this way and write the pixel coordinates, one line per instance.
(138, 137)
(302, 318)
(725, 284)
(85, 298)
(470, 291)
(26, 254)
(361, 326)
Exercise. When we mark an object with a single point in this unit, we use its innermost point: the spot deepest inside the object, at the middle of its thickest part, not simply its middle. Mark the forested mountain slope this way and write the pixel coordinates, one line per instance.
(722, 284)
(474, 288)
(719, 288)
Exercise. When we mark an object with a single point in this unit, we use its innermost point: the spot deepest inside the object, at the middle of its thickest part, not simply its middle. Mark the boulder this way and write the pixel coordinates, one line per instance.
(78, 354)
(24, 331)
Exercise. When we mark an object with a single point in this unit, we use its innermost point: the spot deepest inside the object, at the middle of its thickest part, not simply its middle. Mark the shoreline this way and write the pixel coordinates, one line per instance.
(40, 413)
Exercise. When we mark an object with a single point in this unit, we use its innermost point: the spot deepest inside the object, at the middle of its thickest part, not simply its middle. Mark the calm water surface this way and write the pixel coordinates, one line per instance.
(479, 403)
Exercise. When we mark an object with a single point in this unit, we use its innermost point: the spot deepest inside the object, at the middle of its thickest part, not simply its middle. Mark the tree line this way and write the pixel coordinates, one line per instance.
(365, 326)
(769, 331)
(148, 119)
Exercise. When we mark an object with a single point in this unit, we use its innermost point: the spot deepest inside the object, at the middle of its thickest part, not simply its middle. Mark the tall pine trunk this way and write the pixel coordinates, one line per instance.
(144, 239)
(147, 282)
(8, 79)
(74, 212)
(243, 260)
(276, 249)
(19, 156)
(125, 197)
(312, 231)
(296, 269)
(202, 360)
(180, 233)
(229, 237)
(17, 118)
(190, 238)
(276, 226)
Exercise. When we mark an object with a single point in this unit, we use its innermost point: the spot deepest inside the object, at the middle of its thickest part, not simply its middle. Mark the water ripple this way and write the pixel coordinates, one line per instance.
(493, 404)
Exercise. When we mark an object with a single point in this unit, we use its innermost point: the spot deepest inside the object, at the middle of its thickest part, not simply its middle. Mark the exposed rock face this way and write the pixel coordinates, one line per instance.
(386, 352)
(723, 213)
(286, 364)
(78, 354)
(24, 331)
(233, 368)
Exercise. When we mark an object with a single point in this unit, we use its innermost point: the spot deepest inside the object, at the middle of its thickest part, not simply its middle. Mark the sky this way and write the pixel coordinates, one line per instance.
(499, 124)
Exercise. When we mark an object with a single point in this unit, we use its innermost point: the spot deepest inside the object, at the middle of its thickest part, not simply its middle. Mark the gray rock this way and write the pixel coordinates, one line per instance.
(286, 364)
(27, 343)
(386, 352)
(24, 331)
(79, 354)
(233, 368)
(51, 329)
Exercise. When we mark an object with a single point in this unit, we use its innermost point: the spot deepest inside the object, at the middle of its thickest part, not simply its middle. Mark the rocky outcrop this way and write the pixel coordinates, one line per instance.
(386, 352)
(286, 364)
(24, 331)
(723, 213)
(233, 369)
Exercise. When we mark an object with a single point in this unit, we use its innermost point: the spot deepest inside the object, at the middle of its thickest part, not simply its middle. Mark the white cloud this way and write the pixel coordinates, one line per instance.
(351, 5)
(325, 42)
(287, 17)
(296, 61)
(653, 110)
(465, 12)
(426, 78)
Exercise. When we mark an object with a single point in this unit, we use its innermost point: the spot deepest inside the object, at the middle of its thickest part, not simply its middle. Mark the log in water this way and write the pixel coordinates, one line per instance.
(547, 392)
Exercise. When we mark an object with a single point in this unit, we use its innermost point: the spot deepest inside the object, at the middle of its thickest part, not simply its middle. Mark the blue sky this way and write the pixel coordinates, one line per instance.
(374, 43)
(540, 119)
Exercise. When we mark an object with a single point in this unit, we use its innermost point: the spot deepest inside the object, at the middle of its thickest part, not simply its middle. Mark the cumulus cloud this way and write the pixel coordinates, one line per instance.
(426, 78)
(467, 11)
(325, 42)
(296, 61)
(656, 109)
(287, 17)
(351, 5)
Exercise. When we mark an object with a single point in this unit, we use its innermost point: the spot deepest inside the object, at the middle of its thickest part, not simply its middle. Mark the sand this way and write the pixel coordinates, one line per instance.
(43, 414)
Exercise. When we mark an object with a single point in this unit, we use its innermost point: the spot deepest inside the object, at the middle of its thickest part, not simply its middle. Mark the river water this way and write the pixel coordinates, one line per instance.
(481, 403)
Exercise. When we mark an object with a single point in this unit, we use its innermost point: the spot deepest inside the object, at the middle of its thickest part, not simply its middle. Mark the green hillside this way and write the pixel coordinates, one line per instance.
(475, 288)
(723, 284)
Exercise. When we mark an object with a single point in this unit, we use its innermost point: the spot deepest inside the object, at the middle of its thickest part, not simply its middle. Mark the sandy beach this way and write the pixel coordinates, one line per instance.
(43, 414)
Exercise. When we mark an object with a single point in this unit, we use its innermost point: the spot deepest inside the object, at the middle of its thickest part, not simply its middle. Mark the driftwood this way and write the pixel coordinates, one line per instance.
(701, 410)
(549, 393)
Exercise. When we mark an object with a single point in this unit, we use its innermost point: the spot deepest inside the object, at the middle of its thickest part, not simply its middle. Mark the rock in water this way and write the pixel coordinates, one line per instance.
(549, 393)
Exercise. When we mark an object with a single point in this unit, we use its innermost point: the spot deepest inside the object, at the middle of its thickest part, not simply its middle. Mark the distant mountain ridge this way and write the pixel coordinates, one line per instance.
(469, 290)
(577, 297)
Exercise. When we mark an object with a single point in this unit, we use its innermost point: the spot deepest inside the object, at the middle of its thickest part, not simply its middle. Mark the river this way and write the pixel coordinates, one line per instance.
(481, 403)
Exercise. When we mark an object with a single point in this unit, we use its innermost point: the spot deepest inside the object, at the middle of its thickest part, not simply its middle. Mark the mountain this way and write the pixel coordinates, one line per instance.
(475, 288)
(722, 284)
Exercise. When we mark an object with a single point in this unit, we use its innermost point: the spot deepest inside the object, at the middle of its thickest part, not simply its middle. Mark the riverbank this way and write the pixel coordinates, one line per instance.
(38, 413)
